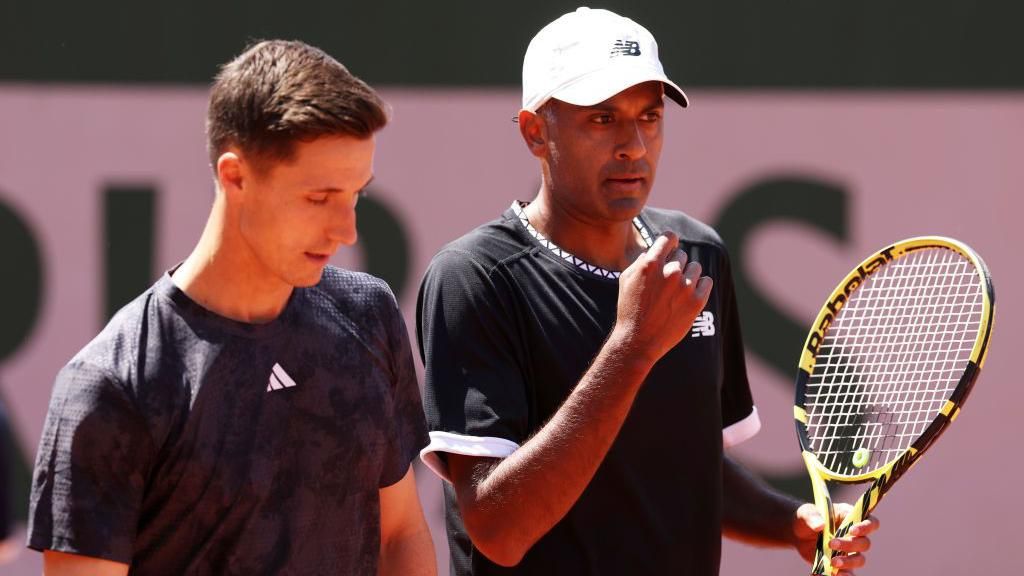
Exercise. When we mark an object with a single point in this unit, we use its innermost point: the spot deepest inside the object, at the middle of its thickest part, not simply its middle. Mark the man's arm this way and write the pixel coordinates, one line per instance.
(405, 544)
(64, 564)
(756, 514)
(508, 505)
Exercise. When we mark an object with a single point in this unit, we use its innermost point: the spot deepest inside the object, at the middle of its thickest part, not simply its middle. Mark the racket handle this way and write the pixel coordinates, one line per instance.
(822, 501)
(823, 554)
(821, 567)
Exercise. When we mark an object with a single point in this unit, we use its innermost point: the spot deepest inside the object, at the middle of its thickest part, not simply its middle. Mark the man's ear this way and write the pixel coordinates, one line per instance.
(533, 127)
(230, 174)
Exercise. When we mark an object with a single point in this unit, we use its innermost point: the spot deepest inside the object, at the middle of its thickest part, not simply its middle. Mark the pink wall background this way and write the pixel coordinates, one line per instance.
(916, 163)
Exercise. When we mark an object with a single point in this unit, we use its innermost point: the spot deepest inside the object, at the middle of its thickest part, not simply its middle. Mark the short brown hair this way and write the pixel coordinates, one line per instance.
(279, 92)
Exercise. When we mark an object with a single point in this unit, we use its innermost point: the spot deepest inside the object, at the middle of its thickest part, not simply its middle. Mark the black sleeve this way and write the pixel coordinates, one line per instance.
(737, 401)
(474, 383)
(91, 469)
(408, 431)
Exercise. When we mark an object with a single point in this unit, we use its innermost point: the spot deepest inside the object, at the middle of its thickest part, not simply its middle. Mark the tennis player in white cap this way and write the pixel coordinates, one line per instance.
(584, 364)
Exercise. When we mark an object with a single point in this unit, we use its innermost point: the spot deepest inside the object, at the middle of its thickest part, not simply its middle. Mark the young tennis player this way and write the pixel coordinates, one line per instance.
(255, 411)
(584, 365)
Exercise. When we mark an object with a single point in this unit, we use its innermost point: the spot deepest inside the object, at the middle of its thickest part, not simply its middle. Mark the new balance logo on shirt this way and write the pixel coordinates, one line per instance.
(279, 379)
(703, 325)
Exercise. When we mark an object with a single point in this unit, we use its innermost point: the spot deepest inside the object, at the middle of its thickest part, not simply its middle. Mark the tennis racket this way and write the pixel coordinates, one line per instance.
(886, 367)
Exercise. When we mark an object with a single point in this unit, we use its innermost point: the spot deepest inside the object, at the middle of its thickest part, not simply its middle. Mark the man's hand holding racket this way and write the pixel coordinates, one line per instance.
(808, 524)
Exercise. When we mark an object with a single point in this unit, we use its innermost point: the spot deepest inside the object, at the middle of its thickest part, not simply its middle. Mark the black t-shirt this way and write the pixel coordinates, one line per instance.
(508, 323)
(182, 442)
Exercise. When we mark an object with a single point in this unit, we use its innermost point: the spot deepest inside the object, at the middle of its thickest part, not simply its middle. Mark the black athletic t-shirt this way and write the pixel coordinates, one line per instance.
(182, 442)
(508, 323)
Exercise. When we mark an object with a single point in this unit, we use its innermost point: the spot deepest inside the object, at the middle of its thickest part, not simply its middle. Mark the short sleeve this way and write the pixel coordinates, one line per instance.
(475, 392)
(90, 473)
(408, 432)
(740, 421)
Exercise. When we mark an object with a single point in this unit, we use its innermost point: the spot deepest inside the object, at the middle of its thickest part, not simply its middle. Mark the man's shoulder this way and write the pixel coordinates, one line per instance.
(358, 296)
(344, 285)
(689, 229)
(112, 354)
(485, 246)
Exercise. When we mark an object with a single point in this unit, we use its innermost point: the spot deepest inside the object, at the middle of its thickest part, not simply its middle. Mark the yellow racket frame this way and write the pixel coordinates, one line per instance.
(883, 477)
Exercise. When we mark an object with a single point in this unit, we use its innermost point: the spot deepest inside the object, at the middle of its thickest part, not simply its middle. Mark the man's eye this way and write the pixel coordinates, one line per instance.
(603, 119)
(318, 199)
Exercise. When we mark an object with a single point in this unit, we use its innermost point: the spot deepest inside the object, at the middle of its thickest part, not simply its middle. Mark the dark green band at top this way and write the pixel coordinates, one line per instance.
(802, 44)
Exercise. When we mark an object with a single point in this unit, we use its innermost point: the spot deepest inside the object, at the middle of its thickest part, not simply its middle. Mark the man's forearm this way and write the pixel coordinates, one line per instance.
(752, 511)
(409, 555)
(405, 544)
(511, 504)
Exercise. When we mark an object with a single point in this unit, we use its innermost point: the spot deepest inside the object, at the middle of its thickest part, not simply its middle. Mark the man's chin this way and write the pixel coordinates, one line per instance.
(626, 208)
(308, 279)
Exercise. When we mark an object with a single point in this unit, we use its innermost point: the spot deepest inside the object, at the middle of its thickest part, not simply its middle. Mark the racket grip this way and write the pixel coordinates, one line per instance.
(823, 554)
(822, 501)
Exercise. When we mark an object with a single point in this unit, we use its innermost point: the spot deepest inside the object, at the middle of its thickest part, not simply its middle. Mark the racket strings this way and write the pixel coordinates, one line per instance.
(891, 358)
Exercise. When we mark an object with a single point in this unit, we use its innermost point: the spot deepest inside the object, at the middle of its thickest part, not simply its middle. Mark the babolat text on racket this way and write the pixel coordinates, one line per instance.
(886, 367)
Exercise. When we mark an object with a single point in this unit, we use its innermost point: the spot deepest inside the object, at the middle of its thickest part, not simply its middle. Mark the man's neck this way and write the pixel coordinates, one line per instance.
(224, 276)
(612, 246)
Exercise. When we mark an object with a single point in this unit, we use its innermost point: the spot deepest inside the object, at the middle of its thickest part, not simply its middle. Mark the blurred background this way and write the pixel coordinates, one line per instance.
(818, 132)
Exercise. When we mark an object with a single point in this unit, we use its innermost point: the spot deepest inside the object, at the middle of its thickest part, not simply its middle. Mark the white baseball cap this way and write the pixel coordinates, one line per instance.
(587, 56)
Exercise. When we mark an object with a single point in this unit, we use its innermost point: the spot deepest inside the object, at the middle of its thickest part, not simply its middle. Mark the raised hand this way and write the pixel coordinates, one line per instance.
(660, 294)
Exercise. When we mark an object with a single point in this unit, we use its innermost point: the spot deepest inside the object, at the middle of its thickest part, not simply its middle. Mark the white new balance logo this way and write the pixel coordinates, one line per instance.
(703, 325)
(279, 379)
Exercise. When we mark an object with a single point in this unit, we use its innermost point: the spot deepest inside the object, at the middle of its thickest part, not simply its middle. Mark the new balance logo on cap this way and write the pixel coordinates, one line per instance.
(581, 58)
(703, 325)
(626, 48)
(279, 379)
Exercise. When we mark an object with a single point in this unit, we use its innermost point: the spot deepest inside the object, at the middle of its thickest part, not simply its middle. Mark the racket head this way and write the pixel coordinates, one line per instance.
(891, 357)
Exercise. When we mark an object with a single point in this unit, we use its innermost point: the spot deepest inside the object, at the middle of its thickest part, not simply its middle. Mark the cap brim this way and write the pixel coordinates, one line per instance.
(601, 85)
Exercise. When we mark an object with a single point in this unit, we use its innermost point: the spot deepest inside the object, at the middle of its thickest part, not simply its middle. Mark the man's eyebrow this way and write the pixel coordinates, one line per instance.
(658, 102)
(335, 189)
(603, 107)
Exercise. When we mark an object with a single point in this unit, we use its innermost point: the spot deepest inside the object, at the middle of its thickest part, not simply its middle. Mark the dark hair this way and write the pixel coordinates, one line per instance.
(279, 92)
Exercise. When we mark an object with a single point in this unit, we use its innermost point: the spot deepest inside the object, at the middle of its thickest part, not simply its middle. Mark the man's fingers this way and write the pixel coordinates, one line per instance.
(676, 265)
(662, 247)
(865, 527)
(704, 288)
(862, 528)
(809, 518)
(841, 510)
(691, 274)
(858, 544)
(849, 562)
(673, 268)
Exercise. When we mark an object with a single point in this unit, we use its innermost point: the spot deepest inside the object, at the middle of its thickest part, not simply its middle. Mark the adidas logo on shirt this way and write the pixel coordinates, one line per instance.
(703, 325)
(279, 379)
